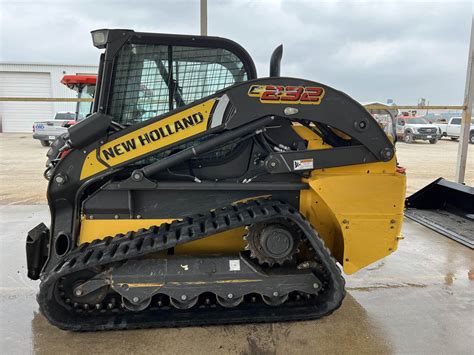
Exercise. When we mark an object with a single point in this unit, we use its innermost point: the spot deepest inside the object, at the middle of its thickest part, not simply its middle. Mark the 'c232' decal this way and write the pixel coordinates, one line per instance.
(277, 94)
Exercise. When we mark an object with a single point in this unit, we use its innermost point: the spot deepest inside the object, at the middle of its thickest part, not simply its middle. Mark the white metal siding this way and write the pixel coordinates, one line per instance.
(19, 116)
(55, 73)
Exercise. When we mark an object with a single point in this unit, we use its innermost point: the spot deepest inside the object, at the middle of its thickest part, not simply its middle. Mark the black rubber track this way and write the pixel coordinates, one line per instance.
(135, 244)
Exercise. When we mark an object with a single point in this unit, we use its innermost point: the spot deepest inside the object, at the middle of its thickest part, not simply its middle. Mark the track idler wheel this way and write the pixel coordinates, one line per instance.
(71, 287)
(136, 306)
(275, 300)
(184, 303)
(229, 301)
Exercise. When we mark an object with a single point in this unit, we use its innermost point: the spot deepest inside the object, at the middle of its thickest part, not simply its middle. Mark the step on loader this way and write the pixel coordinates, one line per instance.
(197, 193)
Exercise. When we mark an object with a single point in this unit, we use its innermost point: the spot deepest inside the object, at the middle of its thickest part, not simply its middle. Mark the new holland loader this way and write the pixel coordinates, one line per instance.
(197, 193)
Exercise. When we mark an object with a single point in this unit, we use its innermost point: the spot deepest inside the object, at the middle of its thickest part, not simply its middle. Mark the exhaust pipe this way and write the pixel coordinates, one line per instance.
(275, 61)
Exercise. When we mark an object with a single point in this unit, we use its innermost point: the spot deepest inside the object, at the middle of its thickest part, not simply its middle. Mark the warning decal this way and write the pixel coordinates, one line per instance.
(303, 164)
(234, 265)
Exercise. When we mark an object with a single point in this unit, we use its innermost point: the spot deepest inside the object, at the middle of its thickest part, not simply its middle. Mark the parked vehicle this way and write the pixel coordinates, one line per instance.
(452, 129)
(410, 129)
(47, 131)
(432, 117)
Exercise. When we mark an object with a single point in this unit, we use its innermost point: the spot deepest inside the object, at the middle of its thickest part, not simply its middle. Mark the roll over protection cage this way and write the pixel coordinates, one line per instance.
(117, 38)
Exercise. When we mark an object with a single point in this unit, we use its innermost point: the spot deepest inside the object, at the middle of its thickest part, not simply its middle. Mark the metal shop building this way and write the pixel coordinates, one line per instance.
(35, 80)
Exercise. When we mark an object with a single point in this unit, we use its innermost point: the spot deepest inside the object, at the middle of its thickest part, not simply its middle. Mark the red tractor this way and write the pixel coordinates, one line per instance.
(47, 131)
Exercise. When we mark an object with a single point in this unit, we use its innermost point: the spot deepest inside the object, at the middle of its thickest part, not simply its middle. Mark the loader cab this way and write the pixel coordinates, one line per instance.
(144, 75)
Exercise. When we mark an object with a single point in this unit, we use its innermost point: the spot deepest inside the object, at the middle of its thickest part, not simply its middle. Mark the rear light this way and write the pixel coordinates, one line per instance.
(64, 153)
(401, 170)
(69, 123)
(33, 128)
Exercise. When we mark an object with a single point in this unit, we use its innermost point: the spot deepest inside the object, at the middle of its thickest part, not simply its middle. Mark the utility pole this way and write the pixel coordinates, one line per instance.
(467, 112)
(203, 17)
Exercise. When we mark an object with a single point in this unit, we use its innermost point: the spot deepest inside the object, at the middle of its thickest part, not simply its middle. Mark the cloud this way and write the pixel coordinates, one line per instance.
(370, 49)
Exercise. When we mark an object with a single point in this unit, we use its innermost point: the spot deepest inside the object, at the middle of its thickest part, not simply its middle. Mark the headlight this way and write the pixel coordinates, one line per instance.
(99, 38)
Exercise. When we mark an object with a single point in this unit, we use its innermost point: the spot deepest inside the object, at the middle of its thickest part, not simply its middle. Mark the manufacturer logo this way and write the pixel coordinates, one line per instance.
(276, 94)
(153, 135)
(140, 142)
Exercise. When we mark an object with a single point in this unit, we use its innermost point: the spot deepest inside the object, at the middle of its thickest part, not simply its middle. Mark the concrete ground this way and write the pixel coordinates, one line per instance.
(418, 300)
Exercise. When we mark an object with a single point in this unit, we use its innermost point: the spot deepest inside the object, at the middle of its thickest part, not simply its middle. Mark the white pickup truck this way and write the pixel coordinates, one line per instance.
(47, 131)
(410, 129)
(452, 129)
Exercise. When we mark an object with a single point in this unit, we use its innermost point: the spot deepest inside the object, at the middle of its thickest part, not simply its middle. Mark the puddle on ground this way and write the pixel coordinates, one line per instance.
(449, 278)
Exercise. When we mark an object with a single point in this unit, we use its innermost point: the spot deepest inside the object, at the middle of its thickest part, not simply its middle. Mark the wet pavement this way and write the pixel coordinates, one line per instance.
(418, 300)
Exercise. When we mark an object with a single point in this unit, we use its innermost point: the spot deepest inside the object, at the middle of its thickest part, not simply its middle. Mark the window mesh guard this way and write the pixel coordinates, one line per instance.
(153, 79)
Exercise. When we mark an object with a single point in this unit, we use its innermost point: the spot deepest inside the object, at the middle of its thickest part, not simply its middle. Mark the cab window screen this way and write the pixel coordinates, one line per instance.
(153, 79)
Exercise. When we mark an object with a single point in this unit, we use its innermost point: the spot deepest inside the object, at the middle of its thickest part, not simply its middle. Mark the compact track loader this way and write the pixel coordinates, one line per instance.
(197, 193)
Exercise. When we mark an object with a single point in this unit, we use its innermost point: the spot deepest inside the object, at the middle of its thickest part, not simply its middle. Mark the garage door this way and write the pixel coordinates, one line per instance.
(19, 116)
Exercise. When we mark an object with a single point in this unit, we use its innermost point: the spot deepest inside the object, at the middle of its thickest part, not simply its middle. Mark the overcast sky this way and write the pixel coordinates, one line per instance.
(372, 50)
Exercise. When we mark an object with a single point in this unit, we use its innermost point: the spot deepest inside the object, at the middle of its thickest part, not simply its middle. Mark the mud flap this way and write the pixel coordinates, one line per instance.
(446, 207)
(36, 250)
